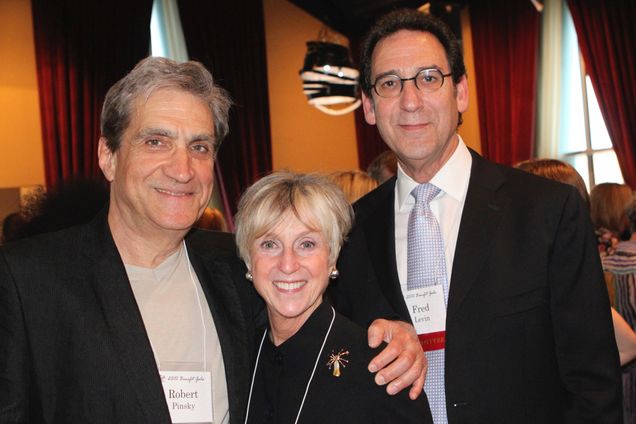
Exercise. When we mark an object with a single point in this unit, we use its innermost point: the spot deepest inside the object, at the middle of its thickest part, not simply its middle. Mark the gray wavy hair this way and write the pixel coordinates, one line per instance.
(156, 73)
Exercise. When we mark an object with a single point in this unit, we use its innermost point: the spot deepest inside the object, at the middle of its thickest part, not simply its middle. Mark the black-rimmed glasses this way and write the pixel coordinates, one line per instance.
(427, 80)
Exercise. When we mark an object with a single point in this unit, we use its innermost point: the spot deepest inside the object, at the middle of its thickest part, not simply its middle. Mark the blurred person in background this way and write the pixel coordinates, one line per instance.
(621, 267)
(354, 184)
(383, 167)
(212, 219)
(608, 202)
(73, 202)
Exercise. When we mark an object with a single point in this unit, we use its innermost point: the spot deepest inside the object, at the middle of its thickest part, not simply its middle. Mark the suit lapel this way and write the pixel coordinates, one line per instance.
(482, 213)
(379, 230)
(125, 324)
(231, 325)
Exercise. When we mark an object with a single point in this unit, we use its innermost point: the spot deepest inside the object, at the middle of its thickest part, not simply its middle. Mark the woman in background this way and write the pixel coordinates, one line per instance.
(621, 265)
(608, 202)
(354, 184)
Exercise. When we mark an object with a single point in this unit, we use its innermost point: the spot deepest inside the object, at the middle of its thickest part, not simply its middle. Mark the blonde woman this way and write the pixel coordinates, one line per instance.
(311, 365)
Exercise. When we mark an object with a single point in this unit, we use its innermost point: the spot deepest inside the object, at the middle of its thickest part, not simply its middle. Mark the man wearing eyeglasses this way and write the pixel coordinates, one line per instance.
(496, 269)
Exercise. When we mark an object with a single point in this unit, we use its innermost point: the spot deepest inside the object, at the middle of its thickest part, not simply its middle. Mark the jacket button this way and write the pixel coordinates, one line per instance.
(459, 404)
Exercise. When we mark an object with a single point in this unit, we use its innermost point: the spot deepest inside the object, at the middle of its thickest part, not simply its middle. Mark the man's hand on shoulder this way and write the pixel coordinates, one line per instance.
(402, 362)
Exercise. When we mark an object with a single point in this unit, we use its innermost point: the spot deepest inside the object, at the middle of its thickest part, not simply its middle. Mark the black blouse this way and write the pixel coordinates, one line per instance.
(353, 397)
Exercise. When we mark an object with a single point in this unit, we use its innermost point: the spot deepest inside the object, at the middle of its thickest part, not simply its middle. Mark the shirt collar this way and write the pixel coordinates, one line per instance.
(451, 179)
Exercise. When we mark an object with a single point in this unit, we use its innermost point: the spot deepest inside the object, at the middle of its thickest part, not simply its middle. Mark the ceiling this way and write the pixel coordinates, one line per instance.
(353, 18)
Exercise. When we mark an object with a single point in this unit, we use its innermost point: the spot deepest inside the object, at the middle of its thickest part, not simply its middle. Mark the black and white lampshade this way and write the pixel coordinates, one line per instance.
(329, 78)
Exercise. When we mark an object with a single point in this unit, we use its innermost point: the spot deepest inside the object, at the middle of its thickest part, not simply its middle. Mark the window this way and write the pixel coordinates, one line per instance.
(166, 35)
(158, 42)
(167, 40)
(583, 138)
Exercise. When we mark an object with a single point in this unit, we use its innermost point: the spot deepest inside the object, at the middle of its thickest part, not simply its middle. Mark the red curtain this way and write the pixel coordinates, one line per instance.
(506, 41)
(368, 139)
(369, 142)
(82, 48)
(228, 37)
(606, 31)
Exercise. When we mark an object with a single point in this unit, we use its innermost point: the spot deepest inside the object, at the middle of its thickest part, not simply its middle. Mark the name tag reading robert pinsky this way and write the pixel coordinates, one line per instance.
(189, 396)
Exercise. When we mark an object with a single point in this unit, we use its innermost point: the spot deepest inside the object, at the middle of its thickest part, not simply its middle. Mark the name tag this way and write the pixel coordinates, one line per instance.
(428, 312)
(189, 395)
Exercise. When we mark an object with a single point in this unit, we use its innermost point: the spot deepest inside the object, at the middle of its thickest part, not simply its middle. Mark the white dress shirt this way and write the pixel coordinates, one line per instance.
(452, 179)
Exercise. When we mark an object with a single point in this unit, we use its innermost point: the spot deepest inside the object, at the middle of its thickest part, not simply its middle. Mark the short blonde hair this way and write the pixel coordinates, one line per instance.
(313, 199)
(354, 184)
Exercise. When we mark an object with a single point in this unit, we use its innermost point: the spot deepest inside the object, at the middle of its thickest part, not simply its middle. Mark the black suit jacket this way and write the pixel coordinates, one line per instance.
(528, 330)
(283, 373)
(73, 347)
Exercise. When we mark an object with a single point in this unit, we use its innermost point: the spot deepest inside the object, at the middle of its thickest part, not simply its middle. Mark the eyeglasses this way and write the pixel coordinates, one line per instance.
(427, 80)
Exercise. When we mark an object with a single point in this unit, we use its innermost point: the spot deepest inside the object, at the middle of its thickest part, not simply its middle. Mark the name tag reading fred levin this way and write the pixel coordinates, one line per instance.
(428, 313)
(189, 396)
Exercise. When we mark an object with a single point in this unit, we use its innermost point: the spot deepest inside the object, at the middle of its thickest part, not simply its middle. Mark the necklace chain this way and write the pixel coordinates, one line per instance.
(311, 377)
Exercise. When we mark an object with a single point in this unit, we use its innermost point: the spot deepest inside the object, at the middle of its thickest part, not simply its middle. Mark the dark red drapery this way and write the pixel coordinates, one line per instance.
(368, 139)
(505, 41)
(82, 48)
(606, 31)
(369, 142)
(228, 37)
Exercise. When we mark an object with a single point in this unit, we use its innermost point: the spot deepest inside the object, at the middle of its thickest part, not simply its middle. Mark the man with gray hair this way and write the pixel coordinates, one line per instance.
(90, 314)
(134, 317)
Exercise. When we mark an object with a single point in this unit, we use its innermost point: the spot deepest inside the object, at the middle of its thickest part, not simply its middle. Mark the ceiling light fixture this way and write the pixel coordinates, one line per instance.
(330, 81)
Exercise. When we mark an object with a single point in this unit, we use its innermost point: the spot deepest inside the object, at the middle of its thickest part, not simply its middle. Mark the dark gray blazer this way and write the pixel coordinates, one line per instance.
(73, 347)
(529, 334)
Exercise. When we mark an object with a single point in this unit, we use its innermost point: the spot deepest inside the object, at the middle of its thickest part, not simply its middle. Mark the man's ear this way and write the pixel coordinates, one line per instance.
(461, 94)
(107, 159)
(369, 109)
